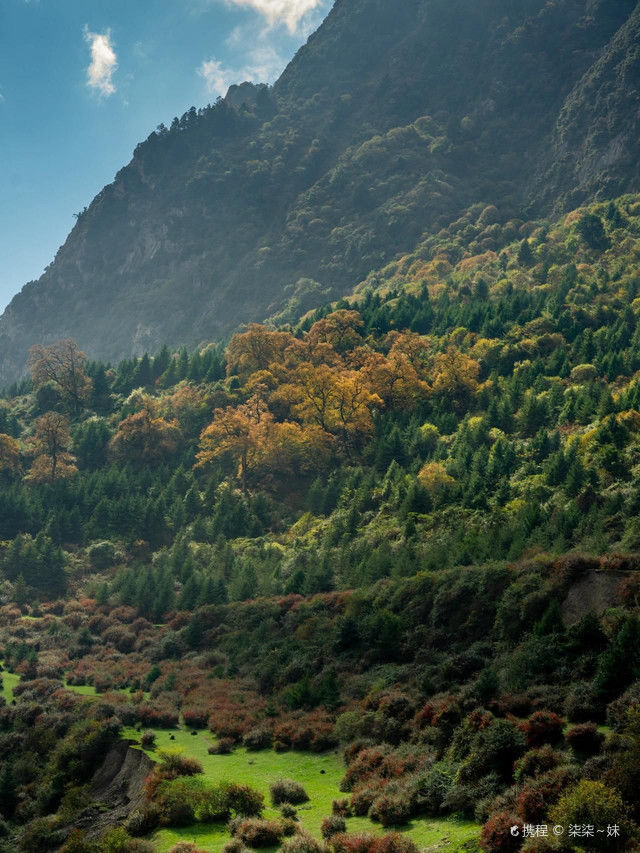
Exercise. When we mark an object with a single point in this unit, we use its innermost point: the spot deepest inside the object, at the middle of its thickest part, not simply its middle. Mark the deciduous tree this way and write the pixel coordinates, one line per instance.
(144, 438)
(64, 365)
(51, 441)
(9, 454)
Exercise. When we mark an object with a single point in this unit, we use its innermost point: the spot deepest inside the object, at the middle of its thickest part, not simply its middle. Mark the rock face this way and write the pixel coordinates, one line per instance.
(593, 593)
(117, 789)
(392, 119)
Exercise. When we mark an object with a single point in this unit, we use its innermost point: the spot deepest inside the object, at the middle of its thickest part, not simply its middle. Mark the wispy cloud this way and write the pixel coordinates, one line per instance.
(104, 62)
(288, 12)
(263, 65)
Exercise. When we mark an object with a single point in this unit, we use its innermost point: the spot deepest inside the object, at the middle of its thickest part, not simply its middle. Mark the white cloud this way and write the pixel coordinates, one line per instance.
(263, 66)
(104, 62)
(215, 76)
(289, 12)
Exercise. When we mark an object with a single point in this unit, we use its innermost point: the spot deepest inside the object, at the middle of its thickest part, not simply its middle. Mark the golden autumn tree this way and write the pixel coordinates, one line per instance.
(143, 438)
(50, 442)
(256, 349)
(435, 479)
(455, 374)
(231, 431)
(64, 365)
(414, 347)
(9, 454)
(339, 402)
(395, 379)
(341, 330)
(258, 444)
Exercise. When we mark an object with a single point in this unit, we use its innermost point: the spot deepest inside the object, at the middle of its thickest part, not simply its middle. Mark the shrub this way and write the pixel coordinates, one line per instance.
(287, 791)
(496, 834)
(243, 800)
(176, 803)
(118, 841)
(155, 716)
(143, 820)
(594, 803)
(362, 800)
(186, 847)
(234, 846)
(434, 787)
(332, 825)
(537, 761)
(77, 843)
(495, 749)
(618, 709)
(224, 746)
(148, 740)
(585, 739)
(102, 555)
(391, 809)
(302, 842)
(195, 718)
(393, 842)
(256, 832)
(288, 811)
(258, 738)
(367, 843)
(531, 805)
(341, 807)
(176, 764)
(543, 727)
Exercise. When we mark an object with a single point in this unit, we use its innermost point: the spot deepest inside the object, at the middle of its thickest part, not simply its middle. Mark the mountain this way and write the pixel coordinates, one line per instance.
(391, 121)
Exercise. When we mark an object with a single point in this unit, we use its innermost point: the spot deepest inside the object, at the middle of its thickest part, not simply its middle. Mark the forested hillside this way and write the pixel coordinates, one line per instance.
(386, 126)
(406, 527)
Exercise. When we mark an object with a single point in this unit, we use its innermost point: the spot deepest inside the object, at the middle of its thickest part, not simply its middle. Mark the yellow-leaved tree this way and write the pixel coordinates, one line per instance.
(9, 454)
(142, 438)
(50, 442)
(338, 402)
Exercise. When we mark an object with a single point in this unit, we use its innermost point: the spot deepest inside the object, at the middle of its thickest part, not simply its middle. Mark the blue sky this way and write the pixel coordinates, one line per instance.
(83, 81)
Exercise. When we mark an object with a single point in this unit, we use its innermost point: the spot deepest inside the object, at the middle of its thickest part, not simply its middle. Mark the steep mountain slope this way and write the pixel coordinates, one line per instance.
(390, 121)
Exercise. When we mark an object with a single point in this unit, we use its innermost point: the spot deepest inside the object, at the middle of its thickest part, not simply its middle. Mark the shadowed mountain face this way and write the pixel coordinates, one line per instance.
(392, 119)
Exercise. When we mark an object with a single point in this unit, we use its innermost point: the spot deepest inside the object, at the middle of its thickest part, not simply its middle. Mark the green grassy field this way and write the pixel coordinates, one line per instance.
(90, 690)
(9, 681)
(320, 775)
(81, 689)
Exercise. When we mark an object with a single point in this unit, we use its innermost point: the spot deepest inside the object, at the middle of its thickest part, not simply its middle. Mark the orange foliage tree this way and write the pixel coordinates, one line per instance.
(395, 379)
(9, 453)
(143, 438)
(339, 402)
(341, 330)
(455, 374)
(50, 442)
(255, 349)
(259, 444)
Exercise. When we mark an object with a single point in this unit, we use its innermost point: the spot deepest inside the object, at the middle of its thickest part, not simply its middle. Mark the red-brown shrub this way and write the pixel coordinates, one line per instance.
(543, 727)
(496, 834)
(332, 826)
(341, 807)
(585, 738)
(367, 843)
(195, 718)
(256, 832)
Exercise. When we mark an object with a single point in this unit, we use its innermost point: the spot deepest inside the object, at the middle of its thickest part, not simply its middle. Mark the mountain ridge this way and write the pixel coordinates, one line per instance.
(384, 127)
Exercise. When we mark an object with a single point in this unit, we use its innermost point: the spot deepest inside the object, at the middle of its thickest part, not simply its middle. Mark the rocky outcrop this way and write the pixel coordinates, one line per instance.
(117, 789)
(593, 593)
